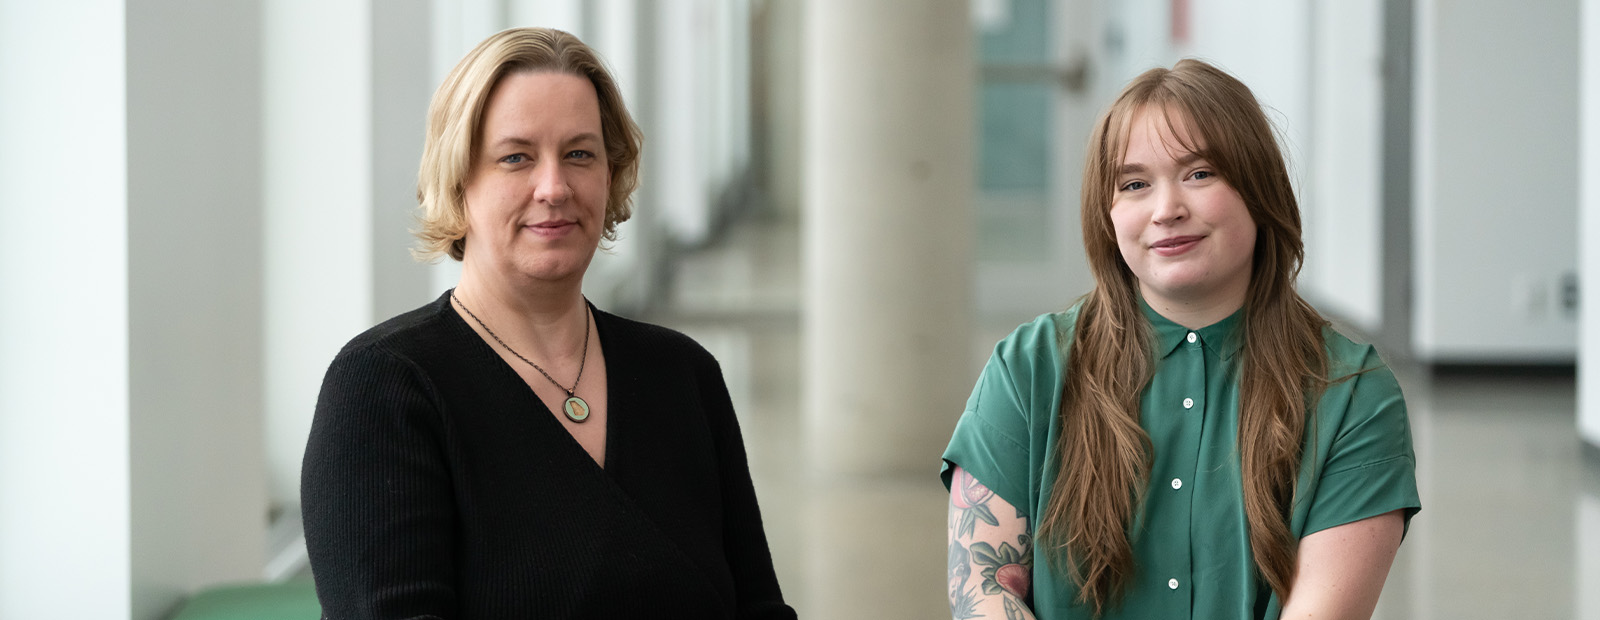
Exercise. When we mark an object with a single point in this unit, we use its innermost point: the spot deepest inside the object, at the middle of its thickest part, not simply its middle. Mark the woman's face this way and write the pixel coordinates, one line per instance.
(1183, 231)
(536, 195)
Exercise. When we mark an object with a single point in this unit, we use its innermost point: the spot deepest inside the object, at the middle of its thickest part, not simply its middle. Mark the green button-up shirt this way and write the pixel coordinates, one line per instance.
(1190, 539)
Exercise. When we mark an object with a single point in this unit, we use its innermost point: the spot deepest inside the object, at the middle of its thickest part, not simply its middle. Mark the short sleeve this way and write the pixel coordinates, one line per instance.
(1370, 467)
(993, 436)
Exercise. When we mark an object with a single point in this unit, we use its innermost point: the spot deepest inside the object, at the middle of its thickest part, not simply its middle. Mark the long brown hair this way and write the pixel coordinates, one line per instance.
(1105, 455)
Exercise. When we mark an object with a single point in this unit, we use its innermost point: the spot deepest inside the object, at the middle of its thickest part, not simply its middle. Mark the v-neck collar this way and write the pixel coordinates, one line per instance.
(537, 406)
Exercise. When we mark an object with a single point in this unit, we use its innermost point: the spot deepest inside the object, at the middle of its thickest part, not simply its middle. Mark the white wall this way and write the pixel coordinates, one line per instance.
(1134, 38)
(1589, 226)
(402, 85)
(317, 195)
(1493, 217)
(64, 331)
(1265, 43)
(130, 425)
(1341, 197)
(194, 289)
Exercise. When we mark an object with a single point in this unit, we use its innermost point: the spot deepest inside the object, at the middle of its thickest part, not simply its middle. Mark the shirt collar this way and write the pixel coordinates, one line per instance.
(1222, 337)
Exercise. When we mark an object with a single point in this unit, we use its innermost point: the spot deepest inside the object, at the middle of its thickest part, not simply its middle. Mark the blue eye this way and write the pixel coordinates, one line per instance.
(1203, 174)
(1134, 186)
(513, 159)
(581, 155)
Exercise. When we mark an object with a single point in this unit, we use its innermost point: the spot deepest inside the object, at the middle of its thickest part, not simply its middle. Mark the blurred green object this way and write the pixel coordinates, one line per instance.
(257, 601)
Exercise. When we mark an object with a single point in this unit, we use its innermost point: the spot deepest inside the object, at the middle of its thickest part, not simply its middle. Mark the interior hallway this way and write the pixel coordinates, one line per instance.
(1507, 492)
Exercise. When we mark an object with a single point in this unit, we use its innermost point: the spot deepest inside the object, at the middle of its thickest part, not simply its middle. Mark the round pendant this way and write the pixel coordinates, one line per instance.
(576, 409)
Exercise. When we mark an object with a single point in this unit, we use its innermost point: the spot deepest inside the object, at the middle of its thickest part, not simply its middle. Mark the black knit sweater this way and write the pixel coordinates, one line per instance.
(437, 485)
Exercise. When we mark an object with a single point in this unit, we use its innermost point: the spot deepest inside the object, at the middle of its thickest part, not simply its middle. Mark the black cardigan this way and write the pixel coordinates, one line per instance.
(437, 485)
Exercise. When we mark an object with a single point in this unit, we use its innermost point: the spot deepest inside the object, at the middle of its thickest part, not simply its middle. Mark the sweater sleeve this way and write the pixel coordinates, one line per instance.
(376, 493)
(744, 538)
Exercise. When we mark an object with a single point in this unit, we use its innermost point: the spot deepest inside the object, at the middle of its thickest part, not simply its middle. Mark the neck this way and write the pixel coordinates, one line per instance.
(1195, 313)
(546, 320)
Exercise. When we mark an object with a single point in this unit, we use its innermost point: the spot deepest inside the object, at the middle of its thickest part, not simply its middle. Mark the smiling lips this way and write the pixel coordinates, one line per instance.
(552, 228)
(1173, 246)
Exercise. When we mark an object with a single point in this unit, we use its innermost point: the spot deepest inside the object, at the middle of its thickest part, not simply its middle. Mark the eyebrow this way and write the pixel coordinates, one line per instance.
(587, 136)
(1186, 159)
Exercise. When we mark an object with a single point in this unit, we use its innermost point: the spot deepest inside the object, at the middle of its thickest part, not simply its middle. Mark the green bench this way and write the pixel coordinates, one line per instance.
(290, 600)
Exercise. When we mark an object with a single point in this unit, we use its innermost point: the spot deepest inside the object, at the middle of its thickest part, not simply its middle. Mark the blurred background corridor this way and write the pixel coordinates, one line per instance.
(848, 202)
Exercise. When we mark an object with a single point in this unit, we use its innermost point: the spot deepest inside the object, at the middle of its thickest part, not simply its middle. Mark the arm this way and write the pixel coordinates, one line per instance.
(376, 494)
(1341, 569)
(991, 553)
(744, 538)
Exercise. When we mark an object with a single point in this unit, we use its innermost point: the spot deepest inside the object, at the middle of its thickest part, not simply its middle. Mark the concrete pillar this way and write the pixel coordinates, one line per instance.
(199, 501)
(1588, 348)
(64, 329)
(344, 106)
(317, 222)
(130, 421)
(778, 104)
(887, 232)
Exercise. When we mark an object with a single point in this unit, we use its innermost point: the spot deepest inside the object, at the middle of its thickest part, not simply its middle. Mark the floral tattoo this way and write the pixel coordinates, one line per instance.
(1007, 571)
(971, 498)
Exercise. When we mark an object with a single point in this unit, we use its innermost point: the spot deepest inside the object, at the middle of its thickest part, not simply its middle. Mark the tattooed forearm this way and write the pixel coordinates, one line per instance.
(963, 600)
(1001, 553)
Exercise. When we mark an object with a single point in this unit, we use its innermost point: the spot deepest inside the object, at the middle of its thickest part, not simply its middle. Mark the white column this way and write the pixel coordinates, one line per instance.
(1589, 224)
(194, 287)
(1342, 194)
(64, 537)
(780, 46)
(317, 210)
(401, 84)
(887, 233)
(130, 423)
(344, 106)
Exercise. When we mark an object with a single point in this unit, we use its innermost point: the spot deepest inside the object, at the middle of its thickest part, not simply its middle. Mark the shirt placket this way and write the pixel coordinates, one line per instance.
(1178, 406)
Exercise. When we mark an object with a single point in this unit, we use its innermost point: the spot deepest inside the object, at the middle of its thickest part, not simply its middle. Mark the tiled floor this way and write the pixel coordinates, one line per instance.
(1510, 526)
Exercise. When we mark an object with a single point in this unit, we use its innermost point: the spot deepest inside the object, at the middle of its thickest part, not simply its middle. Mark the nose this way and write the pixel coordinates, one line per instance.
(1171, 206)
(550, 185)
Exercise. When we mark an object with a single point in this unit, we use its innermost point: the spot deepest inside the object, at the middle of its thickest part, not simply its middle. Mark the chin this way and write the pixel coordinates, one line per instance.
(555, 269)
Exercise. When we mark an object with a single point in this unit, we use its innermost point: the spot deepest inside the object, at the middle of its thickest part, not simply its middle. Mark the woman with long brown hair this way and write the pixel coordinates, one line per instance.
(1191, 439)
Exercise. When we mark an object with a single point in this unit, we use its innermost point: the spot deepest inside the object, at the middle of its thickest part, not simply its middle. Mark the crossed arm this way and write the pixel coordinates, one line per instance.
(1339, 576)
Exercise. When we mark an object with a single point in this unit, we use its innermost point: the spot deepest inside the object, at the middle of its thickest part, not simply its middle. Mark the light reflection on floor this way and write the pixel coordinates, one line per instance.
(1508, 529)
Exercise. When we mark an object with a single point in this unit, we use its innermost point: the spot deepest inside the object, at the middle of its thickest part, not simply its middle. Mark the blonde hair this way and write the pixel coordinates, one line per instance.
(1105, 455)
(455, 124)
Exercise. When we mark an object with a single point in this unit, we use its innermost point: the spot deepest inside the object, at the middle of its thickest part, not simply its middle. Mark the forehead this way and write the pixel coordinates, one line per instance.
(1158, 130)
(541, 100)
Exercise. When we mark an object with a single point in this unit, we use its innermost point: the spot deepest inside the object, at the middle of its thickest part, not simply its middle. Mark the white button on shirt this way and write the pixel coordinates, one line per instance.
(1172, 583)
(1192, 337)
(1177, 484)
(1188, 403)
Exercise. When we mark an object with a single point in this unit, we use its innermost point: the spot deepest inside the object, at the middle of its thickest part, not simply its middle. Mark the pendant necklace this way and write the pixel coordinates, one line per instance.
(576, 409)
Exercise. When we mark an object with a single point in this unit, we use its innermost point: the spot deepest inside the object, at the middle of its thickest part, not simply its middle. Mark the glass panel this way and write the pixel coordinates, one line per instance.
(1014, 131)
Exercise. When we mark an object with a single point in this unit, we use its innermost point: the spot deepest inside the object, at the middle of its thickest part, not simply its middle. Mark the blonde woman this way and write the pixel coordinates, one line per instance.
(510, 450)
(1191, 439)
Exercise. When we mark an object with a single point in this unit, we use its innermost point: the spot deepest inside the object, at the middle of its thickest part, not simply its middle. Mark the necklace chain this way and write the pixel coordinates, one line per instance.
(581, 360)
